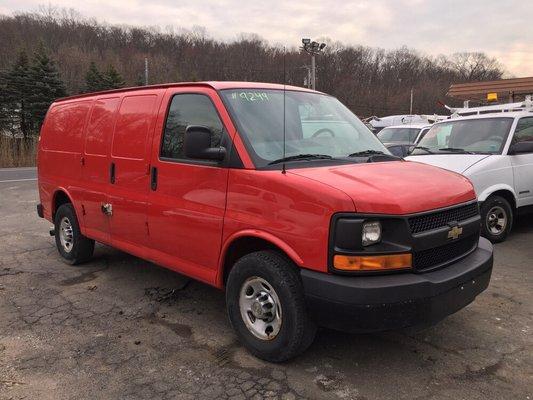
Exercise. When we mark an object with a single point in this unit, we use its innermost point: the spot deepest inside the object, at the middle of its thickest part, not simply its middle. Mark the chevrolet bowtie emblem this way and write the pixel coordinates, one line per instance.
(455, 232)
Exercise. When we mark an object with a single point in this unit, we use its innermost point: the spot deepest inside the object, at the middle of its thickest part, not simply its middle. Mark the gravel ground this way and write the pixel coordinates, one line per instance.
(120, 327)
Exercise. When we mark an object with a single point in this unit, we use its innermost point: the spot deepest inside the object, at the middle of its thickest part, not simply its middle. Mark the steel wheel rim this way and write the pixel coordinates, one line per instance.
(260, 308)
(496, 220)
(66, 235)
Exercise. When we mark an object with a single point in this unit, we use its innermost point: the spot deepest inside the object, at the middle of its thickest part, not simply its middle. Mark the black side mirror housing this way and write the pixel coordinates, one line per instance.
(521, 148)
(197, 144)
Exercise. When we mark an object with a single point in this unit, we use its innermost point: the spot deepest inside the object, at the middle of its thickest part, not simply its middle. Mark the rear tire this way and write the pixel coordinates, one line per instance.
(73, 247)
(496, 219)
(266, 306)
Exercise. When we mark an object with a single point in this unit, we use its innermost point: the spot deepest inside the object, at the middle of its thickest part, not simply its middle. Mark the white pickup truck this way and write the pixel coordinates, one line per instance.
(493, 147)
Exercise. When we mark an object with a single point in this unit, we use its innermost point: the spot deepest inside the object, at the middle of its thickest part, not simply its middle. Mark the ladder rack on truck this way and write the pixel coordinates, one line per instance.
(526, 105)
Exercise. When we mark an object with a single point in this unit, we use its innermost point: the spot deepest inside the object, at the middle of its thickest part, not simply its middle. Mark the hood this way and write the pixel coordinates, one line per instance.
(396, 187)
(454, 162)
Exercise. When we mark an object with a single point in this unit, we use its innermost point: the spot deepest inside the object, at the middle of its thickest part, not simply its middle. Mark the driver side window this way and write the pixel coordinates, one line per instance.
(524, 131)
(188, 109)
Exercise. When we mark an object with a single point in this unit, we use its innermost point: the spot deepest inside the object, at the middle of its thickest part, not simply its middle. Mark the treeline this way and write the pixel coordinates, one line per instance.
(92, 56)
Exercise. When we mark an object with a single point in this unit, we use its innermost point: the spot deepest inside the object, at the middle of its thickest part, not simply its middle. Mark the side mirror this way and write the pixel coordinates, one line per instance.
(521, 148)
(197, 144)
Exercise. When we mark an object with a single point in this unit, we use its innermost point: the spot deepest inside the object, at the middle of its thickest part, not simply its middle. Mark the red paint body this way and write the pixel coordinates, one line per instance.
(198, 211)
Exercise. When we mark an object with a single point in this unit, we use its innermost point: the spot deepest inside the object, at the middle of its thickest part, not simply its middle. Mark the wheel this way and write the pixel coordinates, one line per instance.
(266, 306)
(496, 219)
(73, 247)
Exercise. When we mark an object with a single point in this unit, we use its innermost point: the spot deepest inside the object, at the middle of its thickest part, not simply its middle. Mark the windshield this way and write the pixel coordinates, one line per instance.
(398, 135)
(485, 135)
(315, 124)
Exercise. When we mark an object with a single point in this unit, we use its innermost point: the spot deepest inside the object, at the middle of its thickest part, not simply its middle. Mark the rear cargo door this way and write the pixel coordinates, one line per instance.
(128, 173)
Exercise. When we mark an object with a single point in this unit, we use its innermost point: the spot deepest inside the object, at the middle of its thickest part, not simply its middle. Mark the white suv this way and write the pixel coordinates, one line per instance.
(495, 151)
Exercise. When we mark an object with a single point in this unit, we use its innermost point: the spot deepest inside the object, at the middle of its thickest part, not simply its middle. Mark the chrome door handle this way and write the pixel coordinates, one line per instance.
(107, 209)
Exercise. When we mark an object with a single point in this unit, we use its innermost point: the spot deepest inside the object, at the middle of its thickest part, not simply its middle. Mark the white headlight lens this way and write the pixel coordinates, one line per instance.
(371, 233)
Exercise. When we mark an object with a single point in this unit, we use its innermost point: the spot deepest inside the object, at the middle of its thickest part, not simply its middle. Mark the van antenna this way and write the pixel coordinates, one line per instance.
(283, 170)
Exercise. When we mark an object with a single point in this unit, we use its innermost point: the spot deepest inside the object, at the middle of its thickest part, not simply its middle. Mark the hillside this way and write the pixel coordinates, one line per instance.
(370, 81)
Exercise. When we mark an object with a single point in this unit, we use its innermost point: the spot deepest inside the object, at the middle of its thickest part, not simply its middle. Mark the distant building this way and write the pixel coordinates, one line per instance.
(501, 91)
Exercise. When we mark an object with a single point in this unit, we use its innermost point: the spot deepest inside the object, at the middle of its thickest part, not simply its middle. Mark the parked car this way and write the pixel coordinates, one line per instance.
(495, 151)
(378, 123)
(400, 139)
(277, 194)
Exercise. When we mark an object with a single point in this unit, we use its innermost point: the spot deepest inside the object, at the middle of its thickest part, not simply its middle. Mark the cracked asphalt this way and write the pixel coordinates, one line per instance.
(121, 328)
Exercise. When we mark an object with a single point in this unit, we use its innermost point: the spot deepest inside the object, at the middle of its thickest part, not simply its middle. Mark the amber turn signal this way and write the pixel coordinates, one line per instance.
(373, 263)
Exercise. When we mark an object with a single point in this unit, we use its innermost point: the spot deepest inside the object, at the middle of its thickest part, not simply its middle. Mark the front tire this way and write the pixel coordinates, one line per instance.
(496, 219)
(73, 247)
(266, 306)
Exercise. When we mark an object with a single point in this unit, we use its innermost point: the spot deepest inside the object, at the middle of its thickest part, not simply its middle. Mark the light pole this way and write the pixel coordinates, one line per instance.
(313, 48)
(145, 71)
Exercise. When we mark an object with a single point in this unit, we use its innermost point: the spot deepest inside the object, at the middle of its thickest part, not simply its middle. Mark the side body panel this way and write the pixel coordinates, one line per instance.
(523, 163)
(60, 153)
(288, 210)
(491, 174)
(523, 178)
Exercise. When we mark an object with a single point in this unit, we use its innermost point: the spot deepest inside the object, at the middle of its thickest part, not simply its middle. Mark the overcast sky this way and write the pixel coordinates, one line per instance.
(500, 28)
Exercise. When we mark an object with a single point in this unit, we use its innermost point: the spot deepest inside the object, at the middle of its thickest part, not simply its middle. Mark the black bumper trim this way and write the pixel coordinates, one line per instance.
(40, 211)
(375, 303)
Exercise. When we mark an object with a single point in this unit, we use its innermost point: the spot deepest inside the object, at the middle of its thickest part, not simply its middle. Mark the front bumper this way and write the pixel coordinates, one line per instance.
(384, 302)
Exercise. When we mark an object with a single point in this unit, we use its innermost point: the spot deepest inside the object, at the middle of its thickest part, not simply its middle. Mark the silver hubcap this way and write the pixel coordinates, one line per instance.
(496, 220)
(66, 234)
(260, 308)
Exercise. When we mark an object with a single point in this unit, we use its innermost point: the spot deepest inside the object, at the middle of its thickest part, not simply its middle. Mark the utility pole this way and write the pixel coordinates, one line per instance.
(146, 71)
(307, 80)
(313, 72)
(411, 106)
(313, 48)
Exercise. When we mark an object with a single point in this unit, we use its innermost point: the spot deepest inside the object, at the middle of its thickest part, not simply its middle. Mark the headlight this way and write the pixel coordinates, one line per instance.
(371, 233)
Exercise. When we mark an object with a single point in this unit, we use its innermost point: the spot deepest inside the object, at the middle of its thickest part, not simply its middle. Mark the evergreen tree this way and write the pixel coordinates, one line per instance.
(46, 86)
(112, 79)
(139, 81)
(94, 80)
(16, 87)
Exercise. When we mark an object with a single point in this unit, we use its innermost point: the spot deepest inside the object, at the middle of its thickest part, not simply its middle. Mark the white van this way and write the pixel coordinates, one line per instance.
(493, 147)
(400, 139)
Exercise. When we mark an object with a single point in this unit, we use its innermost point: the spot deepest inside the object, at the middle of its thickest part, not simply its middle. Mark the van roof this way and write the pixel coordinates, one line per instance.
(217, 85)
(511, 114)
(413, 126)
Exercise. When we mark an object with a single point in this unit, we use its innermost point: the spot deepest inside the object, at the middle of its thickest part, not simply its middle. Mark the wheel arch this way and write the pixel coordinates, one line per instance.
(246, 242)
(59, 198)
(504, 191)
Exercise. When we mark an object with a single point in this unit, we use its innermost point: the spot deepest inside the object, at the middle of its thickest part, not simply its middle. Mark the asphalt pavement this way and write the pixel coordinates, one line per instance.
(10, 175)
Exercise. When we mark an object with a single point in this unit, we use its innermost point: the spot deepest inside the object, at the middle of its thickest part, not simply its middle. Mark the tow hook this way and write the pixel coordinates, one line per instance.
(52, 232)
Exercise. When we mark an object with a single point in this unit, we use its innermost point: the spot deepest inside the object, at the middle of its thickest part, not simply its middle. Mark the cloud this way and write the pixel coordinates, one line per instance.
(432, 26)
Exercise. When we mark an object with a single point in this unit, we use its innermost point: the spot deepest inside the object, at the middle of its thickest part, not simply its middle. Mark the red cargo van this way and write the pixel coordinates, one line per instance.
(278, 194)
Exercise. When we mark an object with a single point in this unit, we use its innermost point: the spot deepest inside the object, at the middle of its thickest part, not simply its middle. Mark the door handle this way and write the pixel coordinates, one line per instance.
(107, 209)
(112, 173)
(153, 178)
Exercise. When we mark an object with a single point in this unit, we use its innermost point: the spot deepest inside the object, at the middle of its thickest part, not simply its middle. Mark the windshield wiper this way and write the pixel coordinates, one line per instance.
(426, 149)
(365, 153)
(304, 157)
(456, 150)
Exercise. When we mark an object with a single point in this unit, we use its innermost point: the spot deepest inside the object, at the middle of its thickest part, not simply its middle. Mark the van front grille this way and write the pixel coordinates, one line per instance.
(426, 259)
(427, 222)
